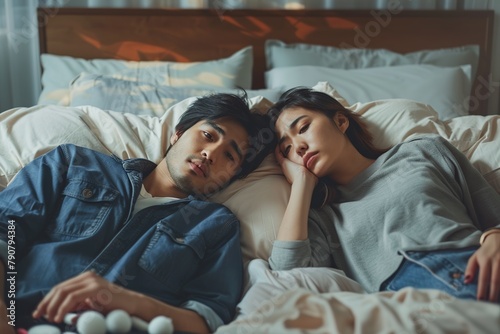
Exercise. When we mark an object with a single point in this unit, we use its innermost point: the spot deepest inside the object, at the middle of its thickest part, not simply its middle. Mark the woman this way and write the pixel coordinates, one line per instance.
(417, 214)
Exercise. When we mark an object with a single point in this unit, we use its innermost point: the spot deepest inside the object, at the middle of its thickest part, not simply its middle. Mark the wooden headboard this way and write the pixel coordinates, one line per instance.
(204, 34)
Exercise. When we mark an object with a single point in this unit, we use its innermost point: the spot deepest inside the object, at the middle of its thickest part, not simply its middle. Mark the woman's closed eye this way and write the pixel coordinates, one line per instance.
(303, 129)
(286, 150)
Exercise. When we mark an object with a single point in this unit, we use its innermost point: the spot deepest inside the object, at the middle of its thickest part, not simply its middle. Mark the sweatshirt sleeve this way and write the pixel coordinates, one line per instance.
(481, 199)
(316, 251)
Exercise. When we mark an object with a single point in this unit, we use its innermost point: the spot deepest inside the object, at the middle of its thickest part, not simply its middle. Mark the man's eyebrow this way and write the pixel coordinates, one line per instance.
(222, 132)
(292, 125)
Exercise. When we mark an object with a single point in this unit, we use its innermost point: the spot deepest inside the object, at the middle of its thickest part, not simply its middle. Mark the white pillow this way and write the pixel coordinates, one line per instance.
(446, 89)
(231, 72)
(396, 120)
(281, 54)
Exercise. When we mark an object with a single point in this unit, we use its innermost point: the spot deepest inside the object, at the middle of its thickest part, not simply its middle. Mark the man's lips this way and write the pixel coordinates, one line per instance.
(309, 159)
(199, 168)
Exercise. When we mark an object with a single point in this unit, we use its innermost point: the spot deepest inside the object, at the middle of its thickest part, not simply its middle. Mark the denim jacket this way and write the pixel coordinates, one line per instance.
(70, 211)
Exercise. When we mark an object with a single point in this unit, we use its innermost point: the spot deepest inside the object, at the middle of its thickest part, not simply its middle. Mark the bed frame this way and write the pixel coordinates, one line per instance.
(204, 34)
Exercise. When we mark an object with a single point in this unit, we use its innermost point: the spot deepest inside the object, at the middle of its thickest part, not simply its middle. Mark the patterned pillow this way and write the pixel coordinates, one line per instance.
(141, 98)
(231, 72)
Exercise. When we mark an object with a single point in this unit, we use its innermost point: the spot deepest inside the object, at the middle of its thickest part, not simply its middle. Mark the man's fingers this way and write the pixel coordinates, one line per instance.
(72, 301)
(51, 303)
(62, 296)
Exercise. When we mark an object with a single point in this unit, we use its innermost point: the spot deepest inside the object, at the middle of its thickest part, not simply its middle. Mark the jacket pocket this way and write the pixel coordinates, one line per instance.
(83, 208)
(171, 256)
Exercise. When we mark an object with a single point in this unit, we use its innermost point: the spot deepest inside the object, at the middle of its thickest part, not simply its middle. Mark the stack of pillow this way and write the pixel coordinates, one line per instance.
(441, 78)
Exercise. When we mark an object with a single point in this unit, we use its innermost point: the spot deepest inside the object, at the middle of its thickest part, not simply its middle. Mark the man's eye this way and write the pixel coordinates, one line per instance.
(304, 128)
(207, 135)
(229, 156)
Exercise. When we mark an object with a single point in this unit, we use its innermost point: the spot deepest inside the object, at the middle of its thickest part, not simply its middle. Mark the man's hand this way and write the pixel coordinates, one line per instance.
(486, 260)
(85, 291)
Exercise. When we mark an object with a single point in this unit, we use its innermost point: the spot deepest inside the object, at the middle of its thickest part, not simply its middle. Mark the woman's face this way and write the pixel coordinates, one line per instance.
(311, 139)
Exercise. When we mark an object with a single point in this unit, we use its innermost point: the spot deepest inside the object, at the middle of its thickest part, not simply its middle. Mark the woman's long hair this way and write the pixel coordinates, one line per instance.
(357, 132)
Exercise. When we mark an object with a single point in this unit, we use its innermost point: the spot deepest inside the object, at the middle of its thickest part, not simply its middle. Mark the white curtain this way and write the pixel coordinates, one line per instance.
(19, 65)
(19, 48)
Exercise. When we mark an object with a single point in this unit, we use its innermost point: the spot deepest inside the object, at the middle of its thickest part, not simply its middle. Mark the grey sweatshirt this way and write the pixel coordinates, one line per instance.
(422, 194)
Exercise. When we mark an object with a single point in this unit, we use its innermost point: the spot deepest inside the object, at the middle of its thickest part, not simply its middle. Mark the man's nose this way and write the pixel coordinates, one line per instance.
(211, 152)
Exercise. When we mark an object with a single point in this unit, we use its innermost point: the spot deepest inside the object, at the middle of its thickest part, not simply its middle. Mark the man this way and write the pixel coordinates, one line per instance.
(92, 231)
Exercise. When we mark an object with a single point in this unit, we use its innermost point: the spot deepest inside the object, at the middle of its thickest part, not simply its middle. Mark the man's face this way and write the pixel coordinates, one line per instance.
(206, 156)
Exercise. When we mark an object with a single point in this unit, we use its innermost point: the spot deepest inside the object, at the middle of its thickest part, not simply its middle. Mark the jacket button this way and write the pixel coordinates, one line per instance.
(87, 193)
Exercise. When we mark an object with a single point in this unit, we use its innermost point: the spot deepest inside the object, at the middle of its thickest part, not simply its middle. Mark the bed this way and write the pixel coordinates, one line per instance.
(116, 80)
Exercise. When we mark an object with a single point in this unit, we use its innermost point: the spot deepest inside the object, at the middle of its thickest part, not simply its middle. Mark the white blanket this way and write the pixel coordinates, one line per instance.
(322, 300)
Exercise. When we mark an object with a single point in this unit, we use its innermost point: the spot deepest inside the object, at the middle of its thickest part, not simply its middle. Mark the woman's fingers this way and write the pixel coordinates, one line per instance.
(483, 282)
(495, 283)
(485, 264)
(472, 268)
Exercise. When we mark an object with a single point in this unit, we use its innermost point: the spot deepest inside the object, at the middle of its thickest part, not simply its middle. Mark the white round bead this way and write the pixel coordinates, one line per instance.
(118, 321)
(91, 322)
(161, 325)
(44, 329)
(69, 318)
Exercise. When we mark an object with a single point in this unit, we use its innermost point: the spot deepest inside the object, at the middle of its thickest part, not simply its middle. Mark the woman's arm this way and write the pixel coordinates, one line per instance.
(484, 264)
(292, 247)
(294, 223)
(82, 292)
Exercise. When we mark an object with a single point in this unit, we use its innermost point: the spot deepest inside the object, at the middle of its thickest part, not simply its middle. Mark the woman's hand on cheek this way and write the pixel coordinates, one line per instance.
(292, 170)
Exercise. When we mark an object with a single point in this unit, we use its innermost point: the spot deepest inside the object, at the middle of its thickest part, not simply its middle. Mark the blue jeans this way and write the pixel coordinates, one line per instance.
(442, 270)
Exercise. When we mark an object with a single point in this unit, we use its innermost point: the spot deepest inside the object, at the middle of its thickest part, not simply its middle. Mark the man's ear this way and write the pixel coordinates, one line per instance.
(175, 137)
(342, 121)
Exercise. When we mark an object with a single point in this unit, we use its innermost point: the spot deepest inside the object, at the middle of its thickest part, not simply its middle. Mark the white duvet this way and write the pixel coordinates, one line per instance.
(271, 307)
(324, 300)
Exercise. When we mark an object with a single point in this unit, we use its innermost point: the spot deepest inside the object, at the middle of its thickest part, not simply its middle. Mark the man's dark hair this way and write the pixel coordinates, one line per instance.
(235, 107)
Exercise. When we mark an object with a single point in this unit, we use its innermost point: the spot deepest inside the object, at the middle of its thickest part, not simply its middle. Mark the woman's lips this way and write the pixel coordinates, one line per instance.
(310, 159)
